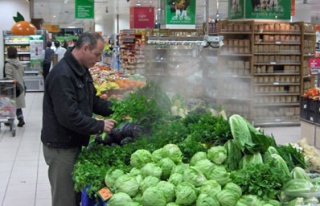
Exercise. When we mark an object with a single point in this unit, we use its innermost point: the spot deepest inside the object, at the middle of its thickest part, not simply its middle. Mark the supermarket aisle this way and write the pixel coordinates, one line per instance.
(23, 172)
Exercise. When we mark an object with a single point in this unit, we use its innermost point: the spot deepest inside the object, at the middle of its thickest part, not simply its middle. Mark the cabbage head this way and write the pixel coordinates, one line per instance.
(198, 156)
(112, 175)
(173, 152)
(151, 169)
(233, 187)
(153, 197)
(217, 154)
(207, 200)
(168, 190)
(138, 198)
(186, 194)
(134, 204)
(227, 198)
(127, 184)
(180, 168)
(135, 171)
(140, 158)
(218, 173)
(210, 187)
(157, 155)
(172, 204)
(149, 181)
(250, 200)
(204, 165)
(194, 176)
(176, 178)
(167, 165)
(119, 199)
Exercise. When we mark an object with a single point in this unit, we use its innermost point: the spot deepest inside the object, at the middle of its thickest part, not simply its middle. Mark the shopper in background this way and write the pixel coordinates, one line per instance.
(65, 44)
(48, 52)
(68, 105)
(60, 51)
(14, 70)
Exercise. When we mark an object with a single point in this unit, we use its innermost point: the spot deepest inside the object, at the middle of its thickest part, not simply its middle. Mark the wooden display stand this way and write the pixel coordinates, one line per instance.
(266, 62)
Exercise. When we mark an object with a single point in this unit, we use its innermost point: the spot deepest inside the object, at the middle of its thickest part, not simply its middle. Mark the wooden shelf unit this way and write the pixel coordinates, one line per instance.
(276, 56)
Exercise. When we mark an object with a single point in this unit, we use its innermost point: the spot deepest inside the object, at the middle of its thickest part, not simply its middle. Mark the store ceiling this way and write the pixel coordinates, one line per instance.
(62, 11)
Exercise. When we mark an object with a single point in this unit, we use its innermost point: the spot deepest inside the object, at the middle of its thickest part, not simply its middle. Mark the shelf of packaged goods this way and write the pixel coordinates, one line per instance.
(236, 76)
(277, 63)
(278, 104)
(276, 94)
(275, 74)
(233, 54)
(277, 53)
(15, 43)
(278, 32)
(234, 32)
(277, 84)
(307, 76)
(310, 33)
(309, 55)
(278, 43)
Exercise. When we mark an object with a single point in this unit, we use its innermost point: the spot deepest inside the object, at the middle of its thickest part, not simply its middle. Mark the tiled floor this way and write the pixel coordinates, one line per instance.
(23, 172)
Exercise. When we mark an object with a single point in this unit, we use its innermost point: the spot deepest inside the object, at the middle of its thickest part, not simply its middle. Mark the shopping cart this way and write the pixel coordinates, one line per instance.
(8, 103)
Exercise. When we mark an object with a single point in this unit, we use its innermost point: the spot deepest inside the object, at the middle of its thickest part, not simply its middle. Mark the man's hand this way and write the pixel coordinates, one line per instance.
(109, 124)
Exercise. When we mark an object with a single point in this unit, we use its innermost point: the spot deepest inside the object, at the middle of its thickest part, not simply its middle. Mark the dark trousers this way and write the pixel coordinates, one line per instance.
(46, 69)
(19, 113)
(61, 163)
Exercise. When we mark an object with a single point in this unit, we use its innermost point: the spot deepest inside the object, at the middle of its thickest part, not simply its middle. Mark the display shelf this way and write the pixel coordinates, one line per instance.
(278, 53)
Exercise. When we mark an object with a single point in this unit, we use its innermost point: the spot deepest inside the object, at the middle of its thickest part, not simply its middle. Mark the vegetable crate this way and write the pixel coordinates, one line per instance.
(8, 103)
(88, 201)
(304, 108)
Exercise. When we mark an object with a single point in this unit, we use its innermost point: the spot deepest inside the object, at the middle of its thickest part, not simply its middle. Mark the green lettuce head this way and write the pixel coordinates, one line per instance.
(153, 197)
(140, 158)
(119, 199)
(217, 154)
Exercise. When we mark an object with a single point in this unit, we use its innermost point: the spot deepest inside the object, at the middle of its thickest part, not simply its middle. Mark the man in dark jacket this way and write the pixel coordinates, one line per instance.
(68, 105)
(48, 52)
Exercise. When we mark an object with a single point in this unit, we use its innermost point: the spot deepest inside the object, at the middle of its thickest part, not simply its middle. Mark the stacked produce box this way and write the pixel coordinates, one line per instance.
(310, 105)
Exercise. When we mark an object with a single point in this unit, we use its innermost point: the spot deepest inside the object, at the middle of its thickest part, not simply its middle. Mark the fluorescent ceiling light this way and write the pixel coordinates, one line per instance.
(66, 1)
(138, 3)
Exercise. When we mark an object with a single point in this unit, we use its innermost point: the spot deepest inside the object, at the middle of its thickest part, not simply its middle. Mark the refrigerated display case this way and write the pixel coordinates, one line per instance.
(30, 50)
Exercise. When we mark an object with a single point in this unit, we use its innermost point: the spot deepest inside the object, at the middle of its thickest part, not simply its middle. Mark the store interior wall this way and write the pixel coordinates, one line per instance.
(9, 9)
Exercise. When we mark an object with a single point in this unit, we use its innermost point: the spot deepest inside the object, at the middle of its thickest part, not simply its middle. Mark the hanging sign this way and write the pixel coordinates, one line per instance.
(84, 9)
(180, 12)
(314, 65)
(268, 9)
(53, 28)
(236, 9)
(141, 17)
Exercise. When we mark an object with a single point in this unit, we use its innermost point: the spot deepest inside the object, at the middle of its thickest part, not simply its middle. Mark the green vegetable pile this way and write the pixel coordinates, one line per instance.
(200, 159)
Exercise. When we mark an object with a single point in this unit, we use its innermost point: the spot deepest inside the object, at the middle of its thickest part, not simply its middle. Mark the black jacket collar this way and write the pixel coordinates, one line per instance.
(74, 64)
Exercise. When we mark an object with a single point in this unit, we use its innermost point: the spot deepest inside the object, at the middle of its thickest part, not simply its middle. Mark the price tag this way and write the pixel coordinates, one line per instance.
(278, 42)
(276, 83)
(277, 120)
(273, 62)
(105, 194)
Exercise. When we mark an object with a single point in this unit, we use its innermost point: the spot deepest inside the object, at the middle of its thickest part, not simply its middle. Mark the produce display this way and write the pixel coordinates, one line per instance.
(108, 81)
(312, 93)
(200, 157)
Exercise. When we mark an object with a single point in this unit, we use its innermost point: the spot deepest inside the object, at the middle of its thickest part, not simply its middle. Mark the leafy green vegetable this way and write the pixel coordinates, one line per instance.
(153, 197)
(186, 194)
(263, 180)
(119, 199)
(206, 200)
(140, 158)
(217, 154)
(240, 131)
